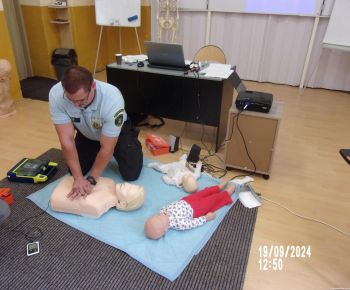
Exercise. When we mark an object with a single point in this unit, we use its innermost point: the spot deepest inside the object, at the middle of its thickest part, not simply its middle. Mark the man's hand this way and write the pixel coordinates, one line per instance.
(210, 216)
(81, 188)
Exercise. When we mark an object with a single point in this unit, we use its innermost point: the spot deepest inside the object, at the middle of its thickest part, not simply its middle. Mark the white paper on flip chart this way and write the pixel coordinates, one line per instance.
(217, 70)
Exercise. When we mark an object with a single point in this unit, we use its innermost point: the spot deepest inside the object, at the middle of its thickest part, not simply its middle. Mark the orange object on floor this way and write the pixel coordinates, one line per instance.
(5, 195)
(156, 144)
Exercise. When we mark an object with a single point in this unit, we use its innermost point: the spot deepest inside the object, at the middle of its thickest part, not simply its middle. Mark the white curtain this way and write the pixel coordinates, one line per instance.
(266, 48)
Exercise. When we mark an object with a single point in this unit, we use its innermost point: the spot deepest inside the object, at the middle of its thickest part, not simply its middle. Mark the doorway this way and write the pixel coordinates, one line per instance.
(14, 19)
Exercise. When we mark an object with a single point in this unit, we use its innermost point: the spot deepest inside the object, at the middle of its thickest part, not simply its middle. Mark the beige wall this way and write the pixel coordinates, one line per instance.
(6, 52)
(43, 38)
(82, 35)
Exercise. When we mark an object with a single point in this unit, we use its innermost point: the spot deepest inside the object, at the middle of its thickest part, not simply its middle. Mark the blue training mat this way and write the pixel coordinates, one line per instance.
(124, 230)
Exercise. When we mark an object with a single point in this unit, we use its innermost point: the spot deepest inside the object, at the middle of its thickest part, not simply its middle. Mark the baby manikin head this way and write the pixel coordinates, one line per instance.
(189, 183)
(156, 226)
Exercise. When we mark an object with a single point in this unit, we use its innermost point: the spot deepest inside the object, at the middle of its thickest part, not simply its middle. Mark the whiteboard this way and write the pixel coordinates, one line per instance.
(338, 30)
(193, 4)
(282, 7)
(118, 12)
(227, 6)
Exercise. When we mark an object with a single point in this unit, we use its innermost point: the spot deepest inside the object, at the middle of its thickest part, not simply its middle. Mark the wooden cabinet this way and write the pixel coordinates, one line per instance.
(251, 139)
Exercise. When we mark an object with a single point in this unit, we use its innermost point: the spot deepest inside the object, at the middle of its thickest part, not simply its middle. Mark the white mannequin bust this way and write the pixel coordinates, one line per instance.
(7, 107)
(105, 195)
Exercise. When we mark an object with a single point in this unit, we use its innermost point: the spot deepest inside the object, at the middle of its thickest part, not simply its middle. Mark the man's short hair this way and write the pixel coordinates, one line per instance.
(75, 78)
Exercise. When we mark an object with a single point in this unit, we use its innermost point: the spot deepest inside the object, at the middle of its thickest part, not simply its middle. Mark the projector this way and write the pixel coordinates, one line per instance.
(254, 101)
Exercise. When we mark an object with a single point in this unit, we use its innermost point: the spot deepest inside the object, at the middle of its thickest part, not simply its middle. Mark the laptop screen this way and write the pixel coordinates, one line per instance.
(168, 55)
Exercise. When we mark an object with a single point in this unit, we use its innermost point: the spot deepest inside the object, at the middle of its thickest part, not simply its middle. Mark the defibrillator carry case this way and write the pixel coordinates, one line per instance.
(32, 171)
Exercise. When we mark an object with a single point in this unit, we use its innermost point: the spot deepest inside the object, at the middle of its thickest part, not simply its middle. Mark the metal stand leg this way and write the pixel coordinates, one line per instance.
(98, 50)
(138, 41)
(120, 40)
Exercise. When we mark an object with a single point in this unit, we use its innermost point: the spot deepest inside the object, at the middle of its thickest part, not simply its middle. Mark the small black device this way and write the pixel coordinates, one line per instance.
(32, 248)
(345, 153)
(194, 67)
(254, 101)
(193, 156)
(140, 64)
(91, 179)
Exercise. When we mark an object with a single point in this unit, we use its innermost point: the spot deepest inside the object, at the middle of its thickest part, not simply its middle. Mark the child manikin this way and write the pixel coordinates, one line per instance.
(191, 211)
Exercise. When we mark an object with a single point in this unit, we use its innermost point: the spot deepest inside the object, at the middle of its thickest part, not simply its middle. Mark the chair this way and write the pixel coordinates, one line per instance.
(211, 53)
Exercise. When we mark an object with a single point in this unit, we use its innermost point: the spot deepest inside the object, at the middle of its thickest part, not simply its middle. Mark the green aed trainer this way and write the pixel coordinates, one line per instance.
(32, 171)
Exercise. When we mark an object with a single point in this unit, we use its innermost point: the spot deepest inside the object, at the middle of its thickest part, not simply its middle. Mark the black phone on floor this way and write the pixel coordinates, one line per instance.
(32, 248)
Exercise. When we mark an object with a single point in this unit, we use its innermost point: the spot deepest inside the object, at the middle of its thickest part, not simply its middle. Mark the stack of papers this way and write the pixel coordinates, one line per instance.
(134, 58)
(217, 70)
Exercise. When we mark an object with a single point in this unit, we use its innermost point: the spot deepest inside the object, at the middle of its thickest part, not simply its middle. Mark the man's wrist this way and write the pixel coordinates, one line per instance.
(91, 179)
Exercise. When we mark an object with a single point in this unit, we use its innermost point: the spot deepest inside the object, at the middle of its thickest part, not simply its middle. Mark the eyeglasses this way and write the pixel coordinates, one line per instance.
(79, 102)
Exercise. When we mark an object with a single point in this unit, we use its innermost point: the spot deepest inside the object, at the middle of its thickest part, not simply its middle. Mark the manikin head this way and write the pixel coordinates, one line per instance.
(130, 196)
(5, 69)
(156, 226)
(189, 183)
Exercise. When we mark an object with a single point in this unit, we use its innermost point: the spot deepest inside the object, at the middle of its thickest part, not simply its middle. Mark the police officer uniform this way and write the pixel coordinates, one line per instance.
(104, 115)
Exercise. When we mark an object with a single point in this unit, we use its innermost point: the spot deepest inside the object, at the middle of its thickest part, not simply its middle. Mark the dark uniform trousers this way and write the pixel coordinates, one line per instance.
(127, 152)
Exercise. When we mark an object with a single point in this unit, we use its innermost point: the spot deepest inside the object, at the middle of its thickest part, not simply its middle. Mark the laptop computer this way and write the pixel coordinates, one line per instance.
(165, 55)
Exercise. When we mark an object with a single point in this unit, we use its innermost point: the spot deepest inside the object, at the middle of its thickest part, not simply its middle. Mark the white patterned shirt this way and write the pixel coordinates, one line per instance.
(180, 215)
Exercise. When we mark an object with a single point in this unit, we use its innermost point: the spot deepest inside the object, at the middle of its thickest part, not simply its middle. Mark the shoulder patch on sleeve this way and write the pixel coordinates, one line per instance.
(119, 117)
